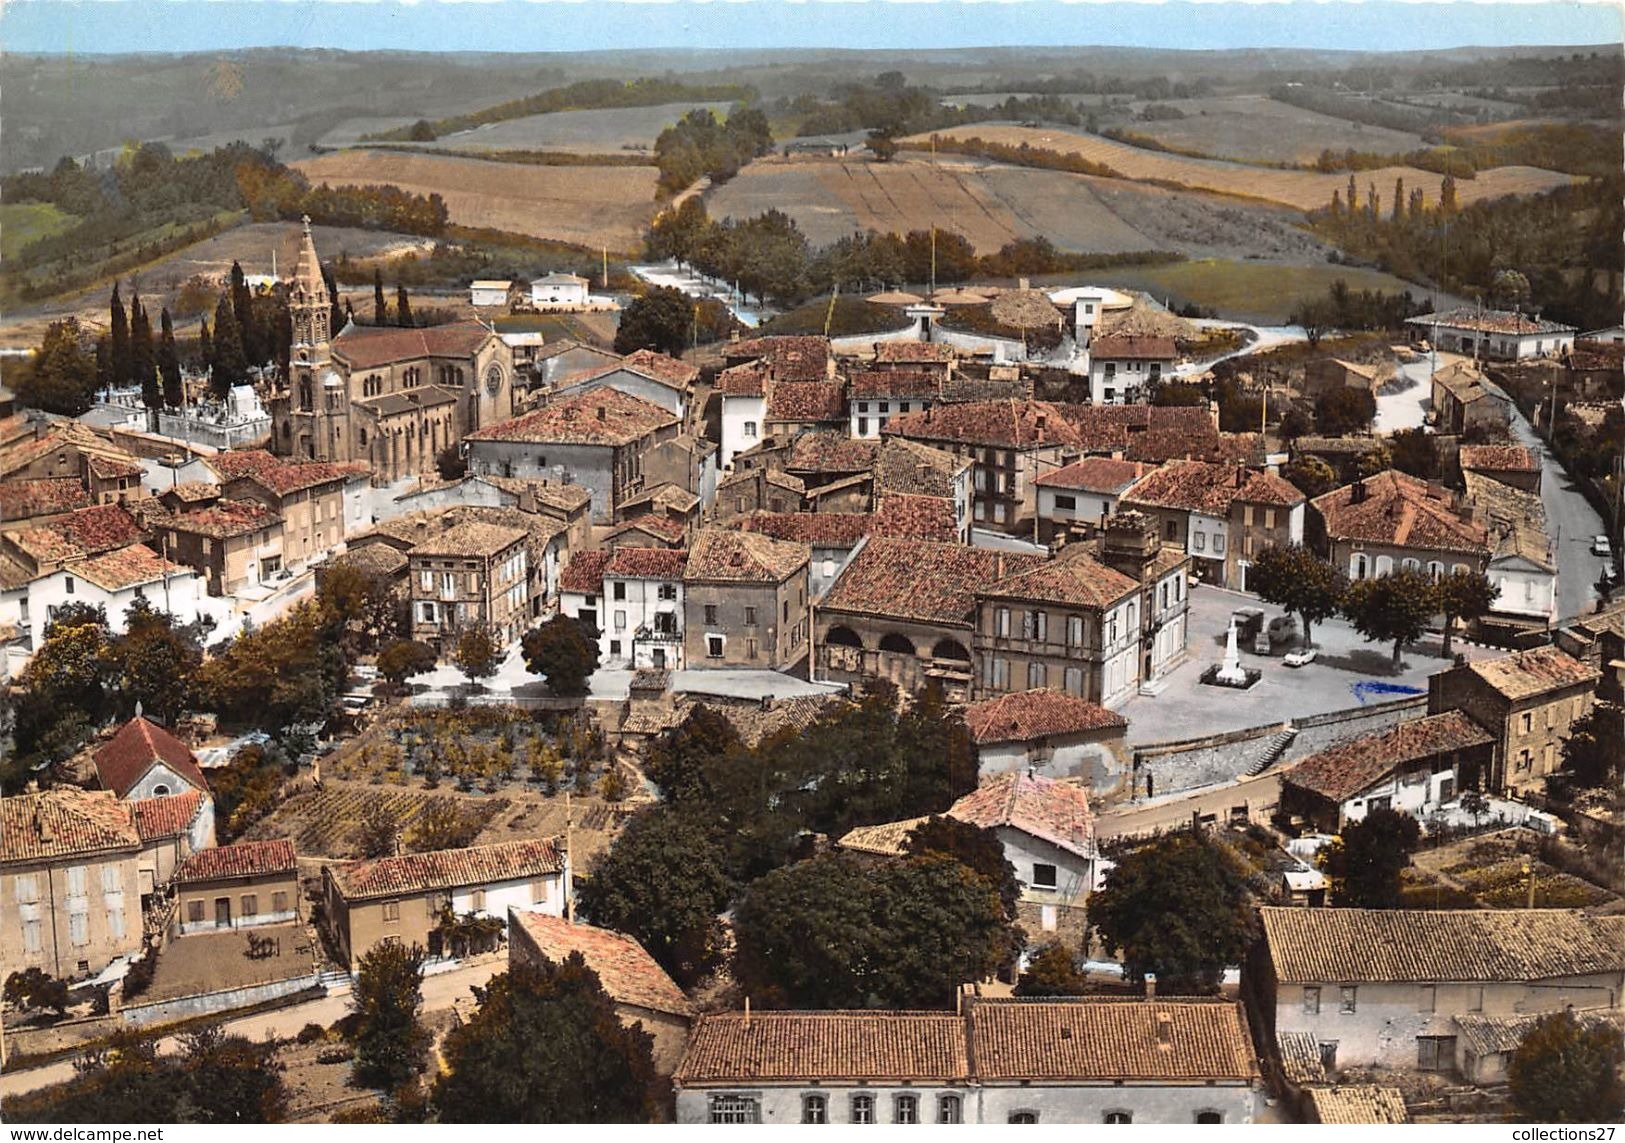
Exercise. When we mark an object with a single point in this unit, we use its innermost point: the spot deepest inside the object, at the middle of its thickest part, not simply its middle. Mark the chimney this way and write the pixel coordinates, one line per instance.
(1165, 1030)
(1150, 986)
(998, 566)
(42, 826)
(747, 997)
(1357, 492)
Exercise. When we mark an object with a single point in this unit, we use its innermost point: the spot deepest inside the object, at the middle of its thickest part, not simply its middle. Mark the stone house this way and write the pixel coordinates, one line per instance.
(171, 829)
(1415, 768)
(1001, 1061)
(143, 760)
(319, 503)
(1076, 500)
(1049, 733)
(1522, 564)
(595, 439)
(1124, 368)
(402, 900)
(1462, 404)
(640, 989)
(1510, 464)
(1392, 521)
(875, 396)
(1328, 374)
(643, 609)
(905, 610)
(745, 601)
(70, 897)
(1498, 335)
(1223, 515)
(831, 538)
(560, 362)
(1387, 988)
(237, 887)
(471, 574)
(232, 544)
(113, 479)
(759, 490)
(1527, 701)
(651, 530)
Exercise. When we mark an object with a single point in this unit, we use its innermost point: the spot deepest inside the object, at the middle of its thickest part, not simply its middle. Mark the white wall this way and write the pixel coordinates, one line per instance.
(633, 384)
(737, 412)
(1065, 756)
(1418, 794)
(1209, 536)
(622, 617)
(29, 605)
(1088, 507)
(500, 896)
(1524, 590)
(868, 415)
(558, 293)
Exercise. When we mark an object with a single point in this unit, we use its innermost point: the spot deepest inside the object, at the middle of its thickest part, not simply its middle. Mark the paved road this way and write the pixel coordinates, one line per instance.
(1571, 522)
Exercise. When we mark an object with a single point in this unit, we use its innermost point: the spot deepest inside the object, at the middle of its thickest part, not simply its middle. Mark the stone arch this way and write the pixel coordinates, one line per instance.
(950, 649)
(842, 636)
(897, 644)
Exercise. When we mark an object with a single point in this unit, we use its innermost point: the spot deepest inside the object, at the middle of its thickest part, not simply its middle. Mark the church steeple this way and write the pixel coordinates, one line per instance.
(309, 303)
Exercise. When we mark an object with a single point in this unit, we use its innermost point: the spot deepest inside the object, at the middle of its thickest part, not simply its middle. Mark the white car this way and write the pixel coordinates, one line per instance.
(1302, 657)
(1601, 547)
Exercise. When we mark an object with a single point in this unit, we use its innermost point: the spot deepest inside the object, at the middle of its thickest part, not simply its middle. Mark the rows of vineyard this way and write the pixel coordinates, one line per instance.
(327, 822)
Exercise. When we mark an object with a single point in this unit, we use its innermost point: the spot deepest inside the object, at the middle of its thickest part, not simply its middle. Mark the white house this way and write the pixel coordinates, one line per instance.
(1392, 988)
(581, 589)
(1123, 366)
(874, 396)
(558, 291)
(143, 761)
(649, 376)
(743, 391)
(489, 292)
(642, 613)
(1002, 1061)
(1613, 335)
(111, 580)
(1083, 493)
(1498, 335)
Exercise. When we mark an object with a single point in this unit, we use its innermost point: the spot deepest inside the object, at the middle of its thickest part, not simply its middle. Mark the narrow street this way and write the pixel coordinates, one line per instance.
(1571, 522)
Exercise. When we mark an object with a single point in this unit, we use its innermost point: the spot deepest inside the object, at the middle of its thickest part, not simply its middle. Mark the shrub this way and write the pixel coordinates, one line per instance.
(310, 1033)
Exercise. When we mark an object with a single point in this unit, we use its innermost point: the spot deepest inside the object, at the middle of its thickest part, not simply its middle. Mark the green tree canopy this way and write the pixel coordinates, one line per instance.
(1310, 475)
(1391, 608)
(1366, 861)
(169, 363)
(546, 1046)
(661, 320)
(1341, 411)
(404, 658)
(1052, 971)
(272, 677)
(391, 1044)
(62, 376)
(1465, 595)
(1178, 907)
(563, 653)
(476, 653)
(1299, 581)
(978, 849)
(1593, 753)
(1566, 1071)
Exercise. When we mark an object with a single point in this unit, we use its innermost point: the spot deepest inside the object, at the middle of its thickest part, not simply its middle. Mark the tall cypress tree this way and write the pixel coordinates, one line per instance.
(169, 362)
(380, 308)
(403, 308)
(143, 360)
(337, 312)
(205, 346)
(242, 308)
(230, 366)
(121, 341)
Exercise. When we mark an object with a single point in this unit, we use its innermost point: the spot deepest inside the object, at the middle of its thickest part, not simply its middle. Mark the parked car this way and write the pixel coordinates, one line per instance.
(1601, 547)
(1302, 657)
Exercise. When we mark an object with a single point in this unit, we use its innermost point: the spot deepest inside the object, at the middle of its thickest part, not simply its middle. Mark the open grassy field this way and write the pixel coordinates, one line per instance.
(991, 204)
(25, 222)
(604, 131)
(1304, 190)
(1256, 128)
(1261, 292)
(588, 206)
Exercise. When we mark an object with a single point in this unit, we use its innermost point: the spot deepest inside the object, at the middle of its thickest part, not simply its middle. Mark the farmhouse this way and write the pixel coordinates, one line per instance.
(1124, 368)
(489, 292)
(1463, 404)
(558, 291)
(1388, 988)
(1328, 374)
(237, 887)
(1498, 335)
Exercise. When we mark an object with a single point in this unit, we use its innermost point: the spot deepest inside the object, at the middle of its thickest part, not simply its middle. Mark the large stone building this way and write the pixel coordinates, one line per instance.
(745, 601)
(473, 574)
(1393, 522)
(1223, 515)
(392, 398)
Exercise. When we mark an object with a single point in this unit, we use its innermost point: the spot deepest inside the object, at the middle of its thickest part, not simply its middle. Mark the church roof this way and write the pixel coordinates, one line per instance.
(366, 347)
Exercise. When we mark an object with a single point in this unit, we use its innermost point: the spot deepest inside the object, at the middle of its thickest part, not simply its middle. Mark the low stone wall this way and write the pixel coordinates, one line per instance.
(226, 1000)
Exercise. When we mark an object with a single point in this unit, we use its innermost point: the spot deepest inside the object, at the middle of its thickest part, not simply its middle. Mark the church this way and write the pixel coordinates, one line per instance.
(391, 398)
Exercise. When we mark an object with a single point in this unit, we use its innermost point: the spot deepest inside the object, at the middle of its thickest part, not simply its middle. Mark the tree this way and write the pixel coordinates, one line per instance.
(1391, 608)
(676, 234)
(1177, 907)
(441, 826)
(1310, 475)
(230, 364)
(143, 359)
(1464, 595)
(62, 376)
(477, 654)
(1447, 194)
(378, 833)
(361, 605)
(1509, 289)
(169, 363)
(1341, 411)
(1372, 461)
(391, 1045)
(380, 308)
(882, 146)
(1412, 451)
(1567, 1071)
(232, 1079)
(1053, 971)
(662, 320)
(1593, 752)
(422, 132)
(561, 651)
(288, 672)
(450, 463)
(1368, 857)
(404, 658)
(205, 348)
(35, 988)
(1296, 579)
(153, 664)
(119, 340)
(242, 308)
(664, 884)
(403, 308)
(547, 1046)
(833, 932)
(978, 849)
(1398, 208)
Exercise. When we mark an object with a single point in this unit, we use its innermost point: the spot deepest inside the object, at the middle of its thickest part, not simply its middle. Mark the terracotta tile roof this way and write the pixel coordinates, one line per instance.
(1524, 674)
(1463, 381)
(447, 869)
(913, 352)
(796, 358)
(584, 573)
(625, 969)
(220, 520)
(123, 759)
(869, 384)
(1498, 458)
(755, 724)
(63, 822)
(245, 859)
(829, 450)
(916, 518)
(806, 401)
(125, 568)
(1399, 510)
(720, 555)
(819, 529)
(1000, 424)
(728, 1047)
(86, 531)
(1310, 946)
(1342, 771)
(471, 538)
(1095, 474)
(1490, 321)
(918, 580)
(1358, 1103)
(1483, 1035)
(624, 420)
(364, 347)
(372, 559)
(165, 817)
(888, 839)
(113, 467)
(283, 477)
(669, 370)
(1054, 811)
(1300, 1058)
(1340, 446)
(192, 491)
(748, 380)
(1196, 486)
(1079, 580)
(21, 499)
(914, 469)
(1106, 1040)
(1135, 347)
(564, 497)
(669, 530)
(1027, 715)
(646, 563)
(667, 497)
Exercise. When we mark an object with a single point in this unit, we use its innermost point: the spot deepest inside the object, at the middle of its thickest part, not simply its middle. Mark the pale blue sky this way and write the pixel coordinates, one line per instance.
(93, 26)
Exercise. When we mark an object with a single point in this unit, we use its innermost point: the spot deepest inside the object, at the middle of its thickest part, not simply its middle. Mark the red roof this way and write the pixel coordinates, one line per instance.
(1027, 715)
(599, 417)
(277, 475)
(913, 352)
(1078, 579)
(128, 755)
(63, 822)
(803, 357)
(170, 816)
(1002, 424)
(1055, 811)
(1132, 347)
(1342, 771)
(1095, 474)
(585, 573)
(245, 859)
(828, 451)
(920, 581)
(679, 374)
(646, 563)
(1498, 458)
(748, 380)
(916, 518)
(625, 969)
(20, 499)
(1196, 486)
(363, 347)
(447, 869)
(910, 383)
(805, 401)
(100, 528)
(1393, 508)
(721, 555)
(819, 529)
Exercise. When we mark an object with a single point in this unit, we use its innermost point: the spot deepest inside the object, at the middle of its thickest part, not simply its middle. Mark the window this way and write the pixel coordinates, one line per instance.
(1475, 998)
(1023, 1117)
(1269, 517)
(1036, 676)
(1247, 515)
(477, 900)
(79, 928)
(1035, 626)
(115, 922)
(667, 591)
(251, 905)
(750, 428)
(1074, 630)
(1328, 1055)
(1001, 674)
(1068, 503)
(863, 426)
(279, 902)
(950, 1109)
(710, 615)
(392, 911)
(31, 935)
(863, 1109)
(620, 621)
(735, 1109)
(1118, 1117)
(1001, 621)
(750, 648)
(620, 589)
(1074, 681)
(1427, 997)
(905, 1109)
(1198, 542)
(1311, 1001)
(814, 1109)
(713, 646)
(1210, 1117)
(76, 881)
(1528, 722)
(194, 912)
(750, 617)
(428, 613)
(1349, 999)
(27, 888)
(1044, 876)
(1218, 544)
(67, 584)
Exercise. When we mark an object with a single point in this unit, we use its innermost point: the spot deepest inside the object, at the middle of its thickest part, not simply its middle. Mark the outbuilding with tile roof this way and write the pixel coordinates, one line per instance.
(238, 886)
